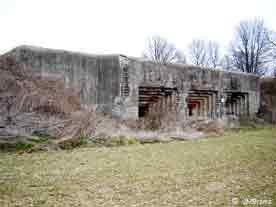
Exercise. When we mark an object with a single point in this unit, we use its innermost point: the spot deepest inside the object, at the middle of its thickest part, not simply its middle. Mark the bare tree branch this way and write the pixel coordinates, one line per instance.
(198, 53)
(213, 54)
(271, 37)
(204, 53)
(161, 51)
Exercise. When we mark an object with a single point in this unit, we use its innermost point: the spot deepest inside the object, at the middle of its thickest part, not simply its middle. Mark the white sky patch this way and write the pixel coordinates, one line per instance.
(123, 26)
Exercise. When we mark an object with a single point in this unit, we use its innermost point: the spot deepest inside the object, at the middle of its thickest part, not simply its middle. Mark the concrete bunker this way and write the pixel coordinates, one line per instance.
(129, 88)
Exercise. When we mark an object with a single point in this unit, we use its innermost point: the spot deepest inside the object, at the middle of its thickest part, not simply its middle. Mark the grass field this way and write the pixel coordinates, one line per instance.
(207, 172)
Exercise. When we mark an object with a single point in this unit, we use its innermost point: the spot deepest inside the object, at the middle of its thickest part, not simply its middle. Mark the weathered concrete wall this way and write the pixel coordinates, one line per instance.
(114, 83)
(190, 78)
(268, 99)
(97, 77)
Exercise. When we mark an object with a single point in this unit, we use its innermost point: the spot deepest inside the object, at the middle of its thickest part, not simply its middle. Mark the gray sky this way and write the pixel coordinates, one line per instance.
(122, 26)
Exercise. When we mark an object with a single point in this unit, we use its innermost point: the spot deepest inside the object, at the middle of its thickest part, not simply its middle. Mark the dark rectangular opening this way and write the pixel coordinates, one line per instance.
(150, 97)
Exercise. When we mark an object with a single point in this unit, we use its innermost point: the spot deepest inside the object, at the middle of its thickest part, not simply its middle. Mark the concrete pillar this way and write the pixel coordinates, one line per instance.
(206, 107)
(232, 107)
(173, 102)
(160, 106)
(170, 103)
(235, 108)
(223, 104)
(243, 106)
(167, 104)
(164, 104)
(238, 107)
(196, 111)
(201, 108)
(182, 106)
(247, 105)
(209, 106)
(229, 108)
(215, 106)
(226, 108)
(220, 105)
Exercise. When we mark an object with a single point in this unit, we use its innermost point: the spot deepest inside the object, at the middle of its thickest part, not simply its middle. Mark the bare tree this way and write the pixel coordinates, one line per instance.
(274, 72)
(198, 53)
(204, 53)
(250, 48)
(160, 50)
(212, 54)
(271, 36)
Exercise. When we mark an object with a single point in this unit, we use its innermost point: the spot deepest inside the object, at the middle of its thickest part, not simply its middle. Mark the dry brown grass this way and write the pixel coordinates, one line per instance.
(208, 172)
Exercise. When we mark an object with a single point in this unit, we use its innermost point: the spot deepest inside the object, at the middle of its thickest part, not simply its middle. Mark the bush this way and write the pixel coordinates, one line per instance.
(132, 141)
(83, 140)
(23, 146)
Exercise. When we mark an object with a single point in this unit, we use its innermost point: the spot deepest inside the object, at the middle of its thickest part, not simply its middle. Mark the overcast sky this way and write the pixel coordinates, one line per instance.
(122, 26)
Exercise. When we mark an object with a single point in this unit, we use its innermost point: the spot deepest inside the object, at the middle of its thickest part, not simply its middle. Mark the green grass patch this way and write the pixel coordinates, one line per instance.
(23, 146)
